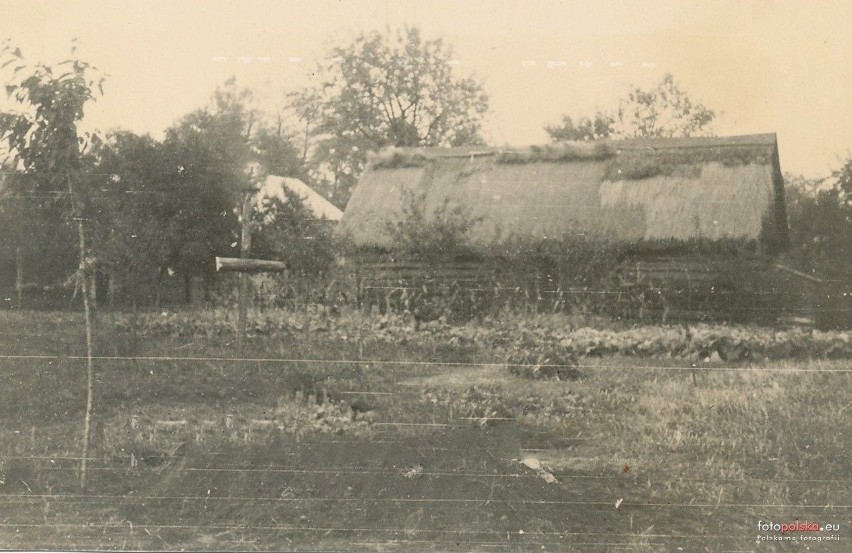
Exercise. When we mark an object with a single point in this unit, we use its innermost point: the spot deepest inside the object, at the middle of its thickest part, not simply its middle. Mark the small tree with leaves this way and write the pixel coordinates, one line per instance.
(43, 137)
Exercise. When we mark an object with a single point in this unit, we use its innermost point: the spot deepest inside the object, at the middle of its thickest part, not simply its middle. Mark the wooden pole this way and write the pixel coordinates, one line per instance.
(243, 292)
(245, 265)
(19, 276)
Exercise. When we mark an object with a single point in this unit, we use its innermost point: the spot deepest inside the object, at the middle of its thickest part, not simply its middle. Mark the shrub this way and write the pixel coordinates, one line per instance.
(439, 234)
(289, 231)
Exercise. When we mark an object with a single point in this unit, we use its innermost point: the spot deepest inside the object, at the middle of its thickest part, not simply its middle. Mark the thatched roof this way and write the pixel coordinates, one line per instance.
(638, 190)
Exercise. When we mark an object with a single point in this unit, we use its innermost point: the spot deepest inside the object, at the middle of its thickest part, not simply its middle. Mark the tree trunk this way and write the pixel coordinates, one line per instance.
(90, 380)
(93, 289)
(305, 146)
(206, 283)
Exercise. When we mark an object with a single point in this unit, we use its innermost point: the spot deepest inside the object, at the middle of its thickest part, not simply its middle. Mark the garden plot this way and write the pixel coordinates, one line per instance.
(450, 449)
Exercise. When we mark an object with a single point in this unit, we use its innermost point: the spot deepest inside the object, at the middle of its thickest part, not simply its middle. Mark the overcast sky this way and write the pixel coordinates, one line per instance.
(764, 66)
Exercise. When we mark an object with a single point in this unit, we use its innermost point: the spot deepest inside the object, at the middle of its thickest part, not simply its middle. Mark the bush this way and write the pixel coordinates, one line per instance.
(437, 235)
(289, 231)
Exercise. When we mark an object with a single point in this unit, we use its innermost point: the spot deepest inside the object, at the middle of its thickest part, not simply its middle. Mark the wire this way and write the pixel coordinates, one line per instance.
(433, 364)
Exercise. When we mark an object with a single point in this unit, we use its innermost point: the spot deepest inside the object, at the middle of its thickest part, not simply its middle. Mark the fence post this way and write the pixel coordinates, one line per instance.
(19, 276)
(243, 291)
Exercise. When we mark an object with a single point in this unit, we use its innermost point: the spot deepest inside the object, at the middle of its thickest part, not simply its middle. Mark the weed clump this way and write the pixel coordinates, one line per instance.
(396, 158)
(488, 405)
(555, 153)
(541, 360)
(683, 162)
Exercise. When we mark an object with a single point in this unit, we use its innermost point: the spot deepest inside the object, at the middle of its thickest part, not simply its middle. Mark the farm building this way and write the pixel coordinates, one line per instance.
(679, 218)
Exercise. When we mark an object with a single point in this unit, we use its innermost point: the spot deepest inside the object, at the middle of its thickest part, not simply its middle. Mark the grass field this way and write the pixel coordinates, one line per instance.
(410, 446)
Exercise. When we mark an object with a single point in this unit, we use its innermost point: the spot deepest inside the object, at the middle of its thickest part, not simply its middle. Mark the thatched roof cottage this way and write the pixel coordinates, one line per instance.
(648, 195)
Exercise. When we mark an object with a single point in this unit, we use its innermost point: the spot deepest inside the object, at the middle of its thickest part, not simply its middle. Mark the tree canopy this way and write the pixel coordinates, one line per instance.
(663, 111)
(595, 128)
(49, 163)
(171, 204)
(393, 89)
(285, 229)
(820, 216)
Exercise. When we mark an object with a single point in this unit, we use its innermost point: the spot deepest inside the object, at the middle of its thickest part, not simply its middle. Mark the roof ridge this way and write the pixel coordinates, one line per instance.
(634, 143)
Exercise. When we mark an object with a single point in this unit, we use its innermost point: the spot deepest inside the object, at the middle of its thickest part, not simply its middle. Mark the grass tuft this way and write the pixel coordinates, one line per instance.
(395, 158)
(556, 153)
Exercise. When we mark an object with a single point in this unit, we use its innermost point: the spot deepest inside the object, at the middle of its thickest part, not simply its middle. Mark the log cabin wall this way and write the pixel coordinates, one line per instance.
(642, 289)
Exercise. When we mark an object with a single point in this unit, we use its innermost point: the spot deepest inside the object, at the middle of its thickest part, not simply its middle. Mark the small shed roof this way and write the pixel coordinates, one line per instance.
(274, 186)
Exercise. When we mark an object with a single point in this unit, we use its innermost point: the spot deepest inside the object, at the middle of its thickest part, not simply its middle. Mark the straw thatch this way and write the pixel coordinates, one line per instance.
(632, 191)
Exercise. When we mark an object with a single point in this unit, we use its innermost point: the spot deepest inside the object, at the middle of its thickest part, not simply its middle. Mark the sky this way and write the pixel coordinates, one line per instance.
(763, 66)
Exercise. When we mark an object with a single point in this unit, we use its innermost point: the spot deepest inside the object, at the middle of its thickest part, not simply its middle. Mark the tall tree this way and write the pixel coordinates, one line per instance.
(205, 156)
(277, 151)
(205, 159)
(133, 208)
(394, 89)
(663, 111)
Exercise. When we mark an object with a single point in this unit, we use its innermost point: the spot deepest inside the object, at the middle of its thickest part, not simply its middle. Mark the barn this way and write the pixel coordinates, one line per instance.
(679, 218)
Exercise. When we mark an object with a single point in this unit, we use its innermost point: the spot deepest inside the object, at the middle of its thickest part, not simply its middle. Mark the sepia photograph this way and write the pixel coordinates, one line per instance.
(391, 276)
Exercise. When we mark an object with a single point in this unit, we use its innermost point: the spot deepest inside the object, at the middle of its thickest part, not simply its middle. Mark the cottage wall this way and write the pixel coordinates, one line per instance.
(641, 288)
